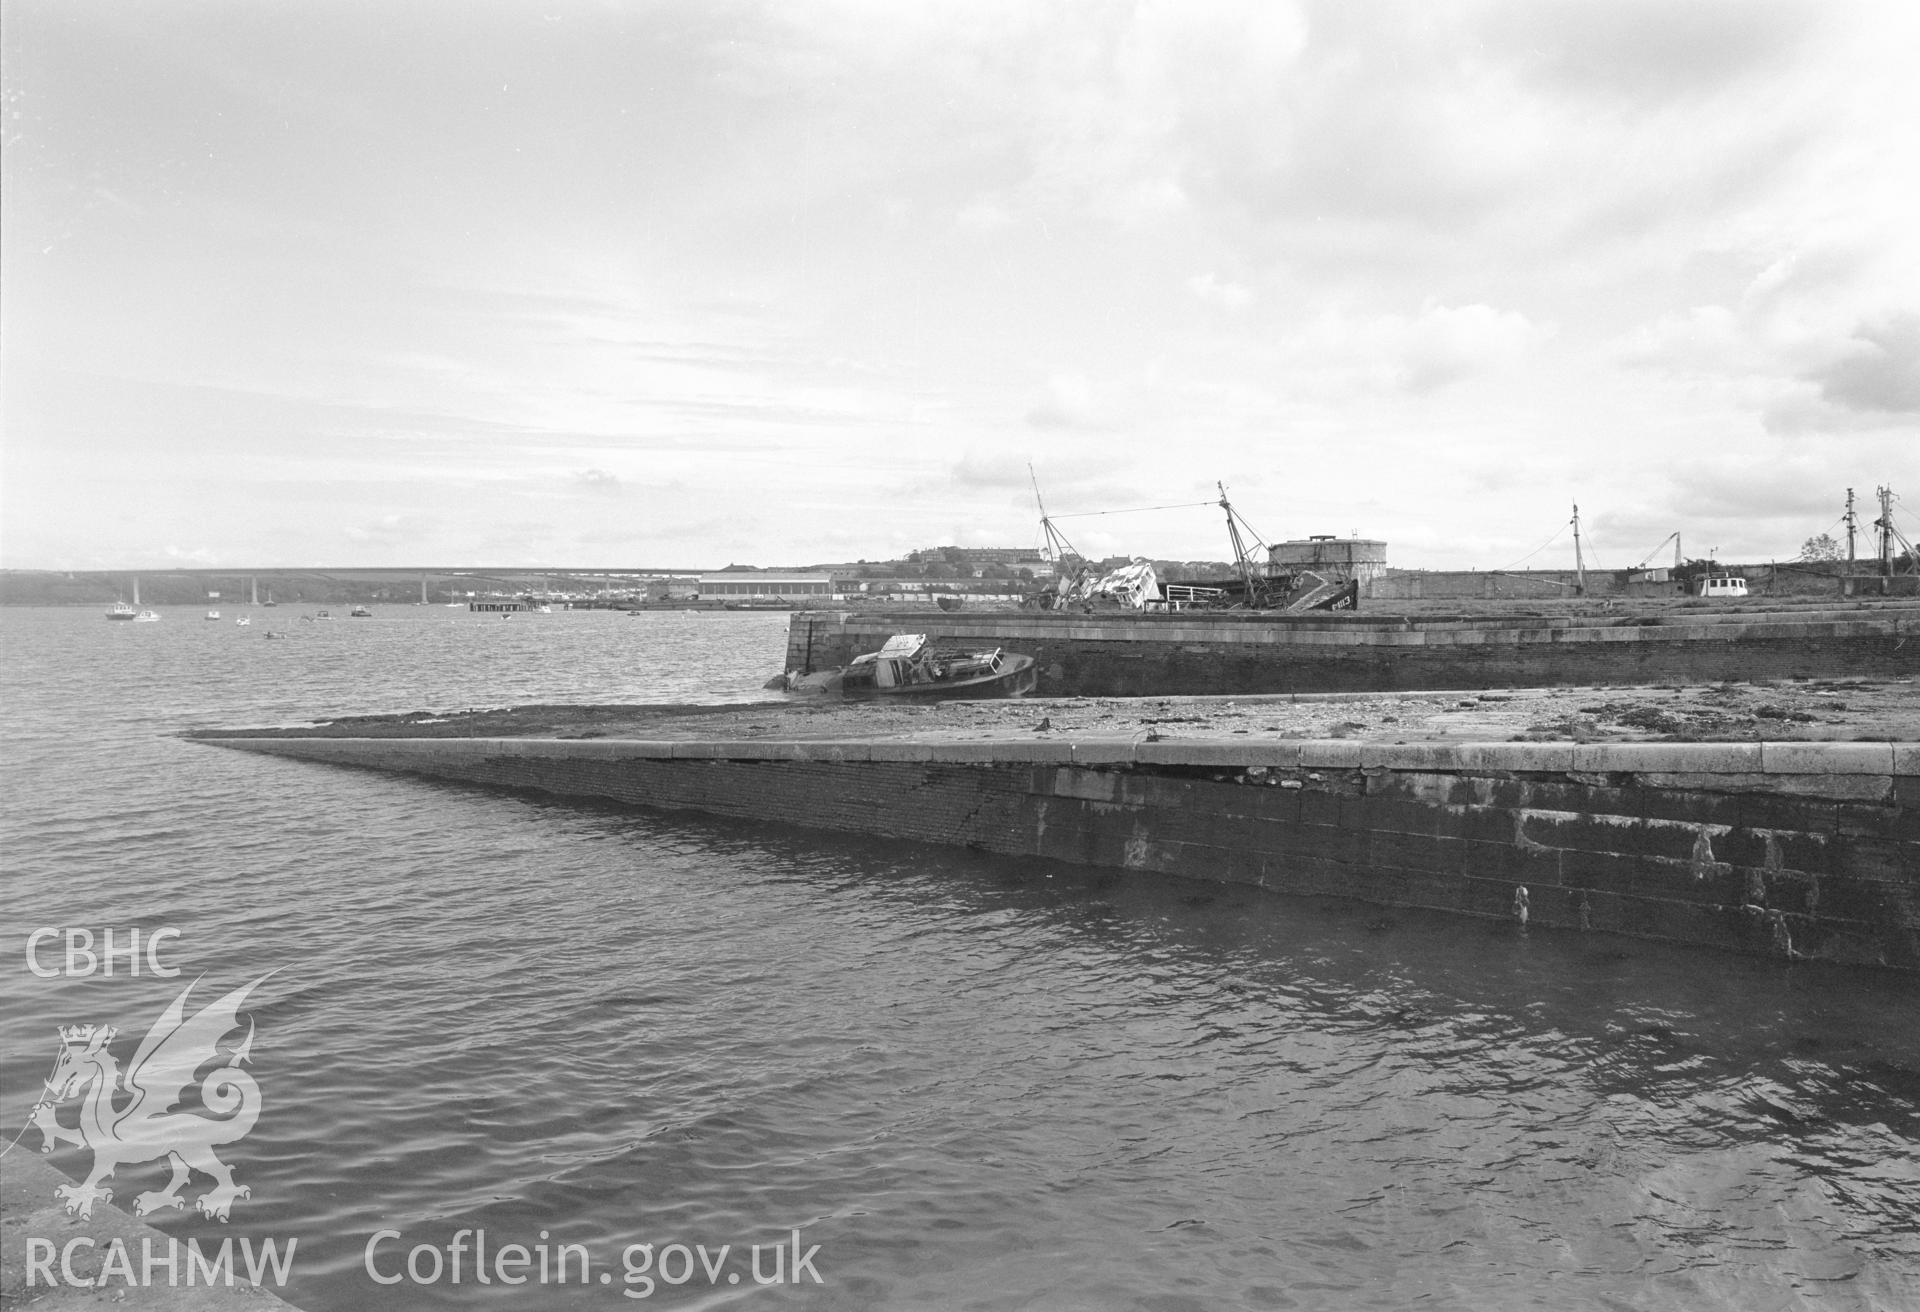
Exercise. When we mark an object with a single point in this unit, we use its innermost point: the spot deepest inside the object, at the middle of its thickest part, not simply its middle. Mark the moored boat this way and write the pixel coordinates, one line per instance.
(121, 610)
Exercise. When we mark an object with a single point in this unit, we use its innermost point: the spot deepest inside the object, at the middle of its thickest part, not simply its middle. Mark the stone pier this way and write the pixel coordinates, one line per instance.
(1797, 850)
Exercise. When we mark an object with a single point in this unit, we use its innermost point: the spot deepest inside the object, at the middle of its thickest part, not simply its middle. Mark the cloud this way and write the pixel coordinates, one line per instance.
(387, 530)
(1417, 354)
(985, 214)
(598, 481)
(1447, 344)
(1706, 338)
(991, 470)
(1221, 295)
(1647, 49)
(1881, 373)
(1068, 403)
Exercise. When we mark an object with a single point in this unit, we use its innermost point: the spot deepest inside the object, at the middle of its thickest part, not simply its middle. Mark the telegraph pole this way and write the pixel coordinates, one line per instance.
(1850, 522)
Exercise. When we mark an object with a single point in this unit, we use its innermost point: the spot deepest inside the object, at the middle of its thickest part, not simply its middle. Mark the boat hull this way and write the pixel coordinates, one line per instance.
(1017, 677)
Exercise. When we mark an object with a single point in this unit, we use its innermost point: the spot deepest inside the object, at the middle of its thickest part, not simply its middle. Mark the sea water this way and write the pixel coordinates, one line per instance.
(611, 1044)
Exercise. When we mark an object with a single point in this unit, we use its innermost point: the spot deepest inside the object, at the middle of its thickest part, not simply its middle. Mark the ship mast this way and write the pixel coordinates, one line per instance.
(1579, 562)
(1057, 546)
(1256, 594)
(1890, 536)
(1885, 525)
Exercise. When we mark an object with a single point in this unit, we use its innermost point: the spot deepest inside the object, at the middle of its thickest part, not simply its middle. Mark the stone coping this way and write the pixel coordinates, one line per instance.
(1376, 632)
(1749, 759)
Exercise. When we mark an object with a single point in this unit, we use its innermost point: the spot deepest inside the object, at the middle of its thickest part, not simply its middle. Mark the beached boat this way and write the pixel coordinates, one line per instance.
(908, 666)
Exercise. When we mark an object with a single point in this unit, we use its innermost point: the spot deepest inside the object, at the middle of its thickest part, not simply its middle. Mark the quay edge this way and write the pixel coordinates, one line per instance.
(1128, 654)
(1796, 850)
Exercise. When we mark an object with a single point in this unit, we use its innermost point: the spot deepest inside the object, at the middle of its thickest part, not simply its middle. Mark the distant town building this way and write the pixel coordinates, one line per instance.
(978, 555)
(740, 583)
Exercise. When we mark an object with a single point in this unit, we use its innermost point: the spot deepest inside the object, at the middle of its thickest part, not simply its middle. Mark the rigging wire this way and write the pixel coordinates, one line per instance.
(1537, 550)
(1132, 510)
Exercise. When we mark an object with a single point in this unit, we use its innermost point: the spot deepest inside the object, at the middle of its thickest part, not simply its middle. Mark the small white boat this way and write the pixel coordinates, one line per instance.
(213, 614)
(244, 620)
(1718, 584)
(147, 617)
(120, 610)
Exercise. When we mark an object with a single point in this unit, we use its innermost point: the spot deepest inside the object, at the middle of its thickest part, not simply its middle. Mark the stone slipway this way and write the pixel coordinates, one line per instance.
(1795, 849)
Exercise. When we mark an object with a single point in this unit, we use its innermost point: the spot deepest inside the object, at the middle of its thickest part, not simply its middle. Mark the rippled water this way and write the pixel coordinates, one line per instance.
(971, 1081)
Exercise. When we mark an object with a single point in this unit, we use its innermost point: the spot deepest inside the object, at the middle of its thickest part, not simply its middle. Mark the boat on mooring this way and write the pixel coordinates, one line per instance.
(121, 610)
(908, 666)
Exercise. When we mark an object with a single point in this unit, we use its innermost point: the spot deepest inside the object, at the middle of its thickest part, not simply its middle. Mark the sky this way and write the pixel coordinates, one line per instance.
(574, 283)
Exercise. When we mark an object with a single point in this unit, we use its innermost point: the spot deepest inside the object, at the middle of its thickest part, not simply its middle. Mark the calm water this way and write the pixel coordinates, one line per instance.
(972, 1082)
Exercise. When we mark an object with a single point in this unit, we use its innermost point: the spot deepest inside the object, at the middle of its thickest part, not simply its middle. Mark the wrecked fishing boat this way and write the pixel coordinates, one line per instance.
(910, 668)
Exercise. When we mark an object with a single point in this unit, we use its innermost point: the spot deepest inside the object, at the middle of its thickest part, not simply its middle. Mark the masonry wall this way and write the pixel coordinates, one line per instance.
(1161, 655)
(1801, 850)
(1800, 580)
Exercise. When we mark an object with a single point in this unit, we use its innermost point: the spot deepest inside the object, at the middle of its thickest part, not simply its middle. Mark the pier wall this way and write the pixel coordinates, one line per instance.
(1126, 655)
(1796, 850)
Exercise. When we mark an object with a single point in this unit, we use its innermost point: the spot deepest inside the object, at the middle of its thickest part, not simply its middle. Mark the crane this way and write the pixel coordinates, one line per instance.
(1673, 537)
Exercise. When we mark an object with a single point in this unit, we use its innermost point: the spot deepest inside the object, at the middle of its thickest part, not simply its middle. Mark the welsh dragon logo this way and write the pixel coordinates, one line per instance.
(145, 1126)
